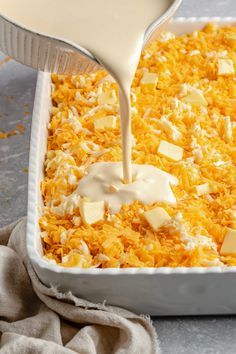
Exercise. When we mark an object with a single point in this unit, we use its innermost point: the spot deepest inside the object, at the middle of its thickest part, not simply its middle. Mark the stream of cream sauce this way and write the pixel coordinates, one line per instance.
(113, 31)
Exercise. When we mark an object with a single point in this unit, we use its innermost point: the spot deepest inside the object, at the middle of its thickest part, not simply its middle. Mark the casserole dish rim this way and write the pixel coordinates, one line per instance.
(34, 195)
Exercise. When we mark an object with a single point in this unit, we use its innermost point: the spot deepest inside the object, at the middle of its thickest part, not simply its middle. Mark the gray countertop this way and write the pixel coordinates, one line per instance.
(192, 335)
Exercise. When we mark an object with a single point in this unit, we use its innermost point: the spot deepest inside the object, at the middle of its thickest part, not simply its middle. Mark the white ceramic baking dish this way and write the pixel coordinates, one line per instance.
(156, 291)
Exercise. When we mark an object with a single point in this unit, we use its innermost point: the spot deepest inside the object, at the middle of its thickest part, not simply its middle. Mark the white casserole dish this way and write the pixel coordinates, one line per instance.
(156, 291)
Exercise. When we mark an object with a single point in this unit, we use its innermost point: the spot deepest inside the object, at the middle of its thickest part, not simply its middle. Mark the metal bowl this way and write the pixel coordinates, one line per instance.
(56, 55)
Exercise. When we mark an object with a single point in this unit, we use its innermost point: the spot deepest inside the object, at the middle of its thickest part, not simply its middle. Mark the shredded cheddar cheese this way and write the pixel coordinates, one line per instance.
(192, 106)
(20, 129)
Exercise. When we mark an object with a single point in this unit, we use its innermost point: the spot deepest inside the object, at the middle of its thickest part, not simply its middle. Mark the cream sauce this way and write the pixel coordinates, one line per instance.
(113, 31)
(104, 182)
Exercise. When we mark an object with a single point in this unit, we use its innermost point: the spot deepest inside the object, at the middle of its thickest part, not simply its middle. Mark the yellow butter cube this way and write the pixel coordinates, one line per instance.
(225, 67)
(230, 36)
(149, 79)
(203, 189)
(231, 39)
(92, 212)
(107, 97)
(195, 97)
(171, 151)
(108, 122)
(156, 217)
(228, 247)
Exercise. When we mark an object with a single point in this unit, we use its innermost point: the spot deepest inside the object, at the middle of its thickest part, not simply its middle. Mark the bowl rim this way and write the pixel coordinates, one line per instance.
(85, 52)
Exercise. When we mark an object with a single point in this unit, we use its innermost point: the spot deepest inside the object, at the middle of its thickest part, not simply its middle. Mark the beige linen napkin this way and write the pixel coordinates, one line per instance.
(38, 319)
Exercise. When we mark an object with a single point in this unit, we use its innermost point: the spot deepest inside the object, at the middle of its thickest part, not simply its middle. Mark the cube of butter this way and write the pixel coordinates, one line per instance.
(203, 189)
(149, 79)
(92, 212)
(231, 39)
(195, 97)
(225, 67)
(171, 151)
(156, 217)
(228, 247)
(108, 122)
(108, 97)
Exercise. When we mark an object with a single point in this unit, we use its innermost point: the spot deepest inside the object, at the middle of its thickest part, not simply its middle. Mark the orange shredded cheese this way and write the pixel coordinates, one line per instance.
(20, 129)
(206, 131)
(5, 60)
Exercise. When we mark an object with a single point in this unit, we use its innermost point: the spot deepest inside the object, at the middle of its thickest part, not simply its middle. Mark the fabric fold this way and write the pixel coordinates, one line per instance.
(35, 318)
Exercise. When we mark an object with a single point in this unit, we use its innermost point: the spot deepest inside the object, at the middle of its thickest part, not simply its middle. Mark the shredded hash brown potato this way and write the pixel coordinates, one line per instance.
(193, 105)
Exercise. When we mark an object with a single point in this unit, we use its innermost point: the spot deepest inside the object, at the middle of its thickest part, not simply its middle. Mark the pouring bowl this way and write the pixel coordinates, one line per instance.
(56, 55)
